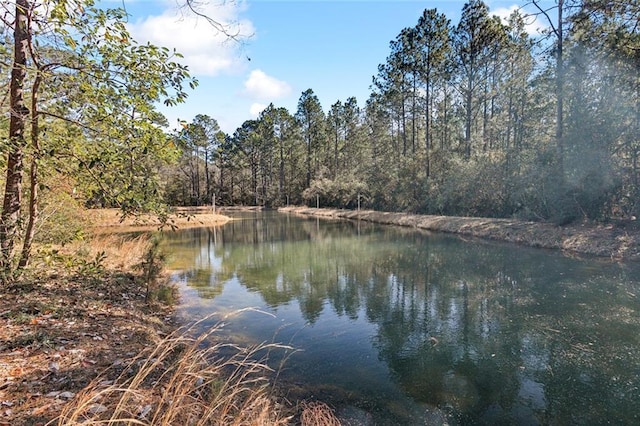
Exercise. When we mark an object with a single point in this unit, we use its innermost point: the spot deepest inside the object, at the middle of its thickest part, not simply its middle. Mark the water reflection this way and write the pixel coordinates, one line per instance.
(412, 328)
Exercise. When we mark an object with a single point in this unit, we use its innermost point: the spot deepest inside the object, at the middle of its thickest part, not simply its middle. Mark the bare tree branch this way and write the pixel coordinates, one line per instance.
(546, 15)
(224, 28)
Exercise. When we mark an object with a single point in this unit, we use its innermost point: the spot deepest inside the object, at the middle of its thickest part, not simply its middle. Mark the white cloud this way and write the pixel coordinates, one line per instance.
(207, 50)
(534, 25)
(261, 86)
(256, 109)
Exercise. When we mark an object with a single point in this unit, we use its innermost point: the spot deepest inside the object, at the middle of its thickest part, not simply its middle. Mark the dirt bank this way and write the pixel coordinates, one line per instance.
(615, 240)
(111, 221)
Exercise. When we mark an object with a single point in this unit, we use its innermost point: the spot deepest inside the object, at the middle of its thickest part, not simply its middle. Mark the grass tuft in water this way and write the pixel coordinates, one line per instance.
(318, 413)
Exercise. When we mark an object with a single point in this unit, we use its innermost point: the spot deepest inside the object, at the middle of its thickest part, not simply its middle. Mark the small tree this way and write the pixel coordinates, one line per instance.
(77, 64)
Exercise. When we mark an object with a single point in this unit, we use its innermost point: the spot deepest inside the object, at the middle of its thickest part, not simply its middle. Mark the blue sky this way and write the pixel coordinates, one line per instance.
(283, 48)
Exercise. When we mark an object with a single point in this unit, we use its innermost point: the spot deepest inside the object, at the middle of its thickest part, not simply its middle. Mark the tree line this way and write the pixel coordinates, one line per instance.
(473, 118)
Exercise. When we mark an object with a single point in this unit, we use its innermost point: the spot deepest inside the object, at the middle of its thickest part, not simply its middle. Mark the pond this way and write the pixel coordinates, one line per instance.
(398, 326)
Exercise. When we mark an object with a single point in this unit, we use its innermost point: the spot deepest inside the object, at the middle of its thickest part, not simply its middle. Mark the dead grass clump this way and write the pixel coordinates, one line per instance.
(183, 381)
(120, 251)
(318, 414)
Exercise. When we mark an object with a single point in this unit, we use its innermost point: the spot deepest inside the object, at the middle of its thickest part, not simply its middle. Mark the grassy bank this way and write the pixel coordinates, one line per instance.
(110, 220)
(613, 240)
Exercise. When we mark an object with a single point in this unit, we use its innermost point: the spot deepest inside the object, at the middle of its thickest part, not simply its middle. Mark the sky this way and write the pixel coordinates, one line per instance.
(279, 48)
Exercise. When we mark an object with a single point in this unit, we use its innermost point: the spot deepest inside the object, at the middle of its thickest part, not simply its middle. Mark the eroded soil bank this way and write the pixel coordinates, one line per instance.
(617, 241)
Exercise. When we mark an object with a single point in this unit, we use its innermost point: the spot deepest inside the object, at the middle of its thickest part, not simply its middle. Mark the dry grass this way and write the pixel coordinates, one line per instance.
(618, 240)
(120, 252)
(111, 220)
(183, 381)
(318, 414)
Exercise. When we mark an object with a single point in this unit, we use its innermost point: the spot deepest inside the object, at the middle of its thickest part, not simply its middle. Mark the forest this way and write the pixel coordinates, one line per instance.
(479, 117)
(474, 118)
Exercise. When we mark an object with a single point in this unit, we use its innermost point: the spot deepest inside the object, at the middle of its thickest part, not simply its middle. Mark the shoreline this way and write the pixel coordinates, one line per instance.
(614, 241)
(64, 325)
(108, 221)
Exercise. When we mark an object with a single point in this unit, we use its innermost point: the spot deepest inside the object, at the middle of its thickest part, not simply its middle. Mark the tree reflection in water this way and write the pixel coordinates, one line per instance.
(466, 331)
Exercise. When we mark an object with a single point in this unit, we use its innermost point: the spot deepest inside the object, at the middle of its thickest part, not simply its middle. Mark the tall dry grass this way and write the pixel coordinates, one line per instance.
(317, 413)
(121, 252)
(183, 381)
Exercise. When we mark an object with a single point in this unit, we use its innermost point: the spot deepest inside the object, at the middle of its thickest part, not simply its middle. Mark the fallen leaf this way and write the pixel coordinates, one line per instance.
(143, 412)
(16, 371)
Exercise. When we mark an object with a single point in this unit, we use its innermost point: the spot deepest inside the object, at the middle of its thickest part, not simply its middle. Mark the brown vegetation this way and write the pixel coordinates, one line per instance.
(81, 341)
(615, 240)
(318, 413)
(182, 380)
(111, 220)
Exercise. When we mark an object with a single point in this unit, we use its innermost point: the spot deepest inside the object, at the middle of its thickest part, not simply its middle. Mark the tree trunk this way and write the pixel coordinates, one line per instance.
(17, 123)
(414, 95)
(467, 124)
(281, 171)
(34, 197)
(207, 196)
(308, 156)
(560, 95)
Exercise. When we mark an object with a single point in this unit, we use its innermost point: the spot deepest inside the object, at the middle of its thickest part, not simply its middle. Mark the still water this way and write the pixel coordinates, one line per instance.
(397, 326)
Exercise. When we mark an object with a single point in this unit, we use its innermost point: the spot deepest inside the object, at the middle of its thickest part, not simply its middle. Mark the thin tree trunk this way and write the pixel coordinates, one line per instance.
(308, 155)
(467, 127)
(404, 127)
(560, 94)
(427, 125)
(34, 197)
(445, 130)
(281, 171)
(207, 179)
(17, 123)
(413, 116)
